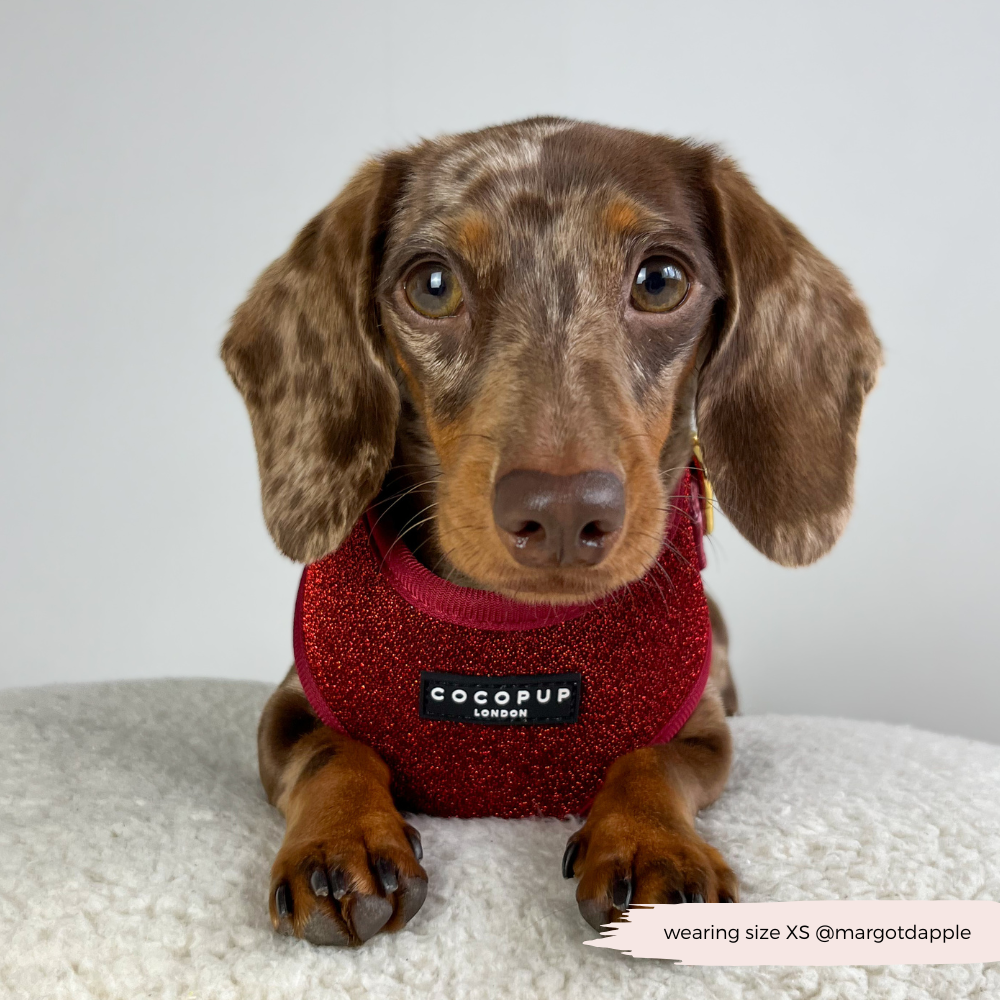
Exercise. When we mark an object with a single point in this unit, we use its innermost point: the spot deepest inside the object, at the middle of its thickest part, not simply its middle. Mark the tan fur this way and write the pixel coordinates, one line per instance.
(473, 237)
(622, 216)
(642, 822)
(339, 816)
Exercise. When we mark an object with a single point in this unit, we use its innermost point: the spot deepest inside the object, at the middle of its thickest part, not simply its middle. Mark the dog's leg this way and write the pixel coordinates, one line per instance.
(349, 865)
(639, 844)
(720, 671)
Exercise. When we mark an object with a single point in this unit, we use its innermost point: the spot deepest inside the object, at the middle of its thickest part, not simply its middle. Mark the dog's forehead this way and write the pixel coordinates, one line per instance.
(568, 182)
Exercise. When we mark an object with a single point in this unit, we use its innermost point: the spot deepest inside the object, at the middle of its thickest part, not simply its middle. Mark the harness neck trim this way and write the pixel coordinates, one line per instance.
(483, 609)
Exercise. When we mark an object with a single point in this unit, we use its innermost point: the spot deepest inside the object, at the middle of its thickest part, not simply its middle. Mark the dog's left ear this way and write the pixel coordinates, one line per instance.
(306, 351)
(781, 389)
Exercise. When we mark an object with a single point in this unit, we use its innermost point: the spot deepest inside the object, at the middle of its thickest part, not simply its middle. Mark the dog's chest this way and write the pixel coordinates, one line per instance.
(482, 706)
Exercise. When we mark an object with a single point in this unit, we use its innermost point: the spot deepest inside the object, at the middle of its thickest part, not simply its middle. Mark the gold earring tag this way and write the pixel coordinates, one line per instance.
(706, 494)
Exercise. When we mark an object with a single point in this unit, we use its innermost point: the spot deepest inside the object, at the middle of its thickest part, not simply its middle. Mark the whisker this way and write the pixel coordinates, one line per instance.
(657, 566)
(433, 479)
(400, 496)
(444, 555)
(409, 527)
(666, 543)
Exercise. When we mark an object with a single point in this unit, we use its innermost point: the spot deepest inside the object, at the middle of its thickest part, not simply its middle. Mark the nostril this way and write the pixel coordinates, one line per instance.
(592, 533)
(530, 531)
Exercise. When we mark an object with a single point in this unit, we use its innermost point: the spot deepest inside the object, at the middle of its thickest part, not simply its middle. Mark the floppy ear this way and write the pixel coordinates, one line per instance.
(306, 352)
(780, 393)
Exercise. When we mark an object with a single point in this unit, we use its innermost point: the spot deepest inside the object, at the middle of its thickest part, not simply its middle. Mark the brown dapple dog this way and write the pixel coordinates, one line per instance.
(547, 298)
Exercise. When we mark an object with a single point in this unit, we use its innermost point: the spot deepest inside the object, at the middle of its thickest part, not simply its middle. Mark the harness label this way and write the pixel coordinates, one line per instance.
(527, 700)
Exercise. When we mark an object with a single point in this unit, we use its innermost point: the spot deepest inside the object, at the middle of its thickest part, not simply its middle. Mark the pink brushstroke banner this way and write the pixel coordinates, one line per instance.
(812, 932)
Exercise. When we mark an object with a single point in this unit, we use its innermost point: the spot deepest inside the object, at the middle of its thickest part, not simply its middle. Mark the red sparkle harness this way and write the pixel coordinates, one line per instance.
(483, 706)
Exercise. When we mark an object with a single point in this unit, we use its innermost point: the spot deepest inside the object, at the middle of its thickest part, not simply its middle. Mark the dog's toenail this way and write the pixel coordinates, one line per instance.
(621, 893)
(413, 836)
(319, 883)
(338, 884)
(283, 900)
(569, 858)
(386, 875)
(697, 897)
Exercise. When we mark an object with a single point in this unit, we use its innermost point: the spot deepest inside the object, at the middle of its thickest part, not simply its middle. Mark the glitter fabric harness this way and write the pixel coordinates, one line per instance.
(385, 650)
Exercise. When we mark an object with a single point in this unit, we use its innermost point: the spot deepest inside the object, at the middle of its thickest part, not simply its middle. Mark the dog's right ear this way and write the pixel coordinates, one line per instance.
(781, 391)
(306, 352)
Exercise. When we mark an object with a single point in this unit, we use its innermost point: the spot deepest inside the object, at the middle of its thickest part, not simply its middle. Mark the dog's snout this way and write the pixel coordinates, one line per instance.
(547, 520)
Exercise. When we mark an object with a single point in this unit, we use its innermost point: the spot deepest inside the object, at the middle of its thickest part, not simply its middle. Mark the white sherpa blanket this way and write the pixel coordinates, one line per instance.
(135, 847)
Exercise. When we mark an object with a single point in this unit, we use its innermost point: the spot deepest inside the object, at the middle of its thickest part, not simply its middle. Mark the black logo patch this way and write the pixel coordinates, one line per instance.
(535, 700)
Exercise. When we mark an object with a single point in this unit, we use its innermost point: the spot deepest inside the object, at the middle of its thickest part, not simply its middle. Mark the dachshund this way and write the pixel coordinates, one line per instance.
(502, 341)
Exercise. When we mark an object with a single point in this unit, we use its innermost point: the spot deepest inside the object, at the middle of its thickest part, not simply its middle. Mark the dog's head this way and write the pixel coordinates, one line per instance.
(529, 316)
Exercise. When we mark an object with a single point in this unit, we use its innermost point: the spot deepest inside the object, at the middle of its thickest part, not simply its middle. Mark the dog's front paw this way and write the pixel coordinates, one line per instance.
(362, 876)
(621, 860)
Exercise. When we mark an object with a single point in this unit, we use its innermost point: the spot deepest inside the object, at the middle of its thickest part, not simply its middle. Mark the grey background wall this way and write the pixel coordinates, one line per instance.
(157, 156)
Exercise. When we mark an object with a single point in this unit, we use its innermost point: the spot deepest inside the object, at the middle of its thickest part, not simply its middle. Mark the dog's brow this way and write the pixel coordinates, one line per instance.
(623, 216)
(472, 234)
(667, 238)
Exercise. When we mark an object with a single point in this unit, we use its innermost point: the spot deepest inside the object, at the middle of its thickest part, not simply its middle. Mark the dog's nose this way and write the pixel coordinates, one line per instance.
(549, 520)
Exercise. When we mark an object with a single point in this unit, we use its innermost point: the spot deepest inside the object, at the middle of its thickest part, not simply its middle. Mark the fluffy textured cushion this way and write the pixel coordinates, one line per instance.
(135, 847)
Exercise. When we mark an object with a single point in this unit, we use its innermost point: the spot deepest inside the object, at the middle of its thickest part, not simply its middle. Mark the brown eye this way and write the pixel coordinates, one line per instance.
(660, 285)
(433, 290)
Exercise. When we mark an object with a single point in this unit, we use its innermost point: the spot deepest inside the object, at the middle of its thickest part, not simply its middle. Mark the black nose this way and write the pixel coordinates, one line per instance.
(548, 520)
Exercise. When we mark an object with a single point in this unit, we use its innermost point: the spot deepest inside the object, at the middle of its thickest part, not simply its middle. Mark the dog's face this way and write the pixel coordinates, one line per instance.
(569, 296)
(527, 317)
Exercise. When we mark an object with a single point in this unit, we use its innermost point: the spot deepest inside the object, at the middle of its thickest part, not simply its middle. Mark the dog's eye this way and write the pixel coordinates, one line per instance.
(433, 290)
(660, 285)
